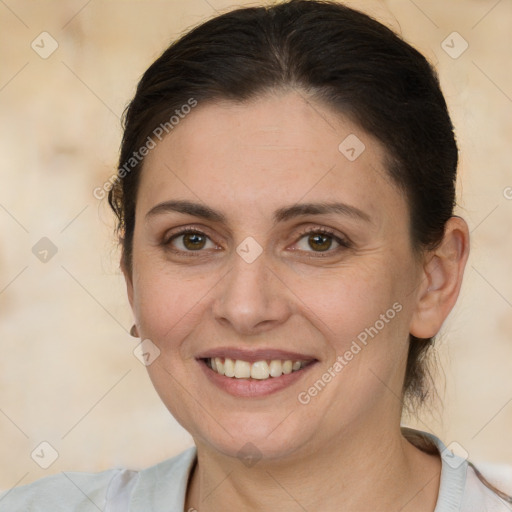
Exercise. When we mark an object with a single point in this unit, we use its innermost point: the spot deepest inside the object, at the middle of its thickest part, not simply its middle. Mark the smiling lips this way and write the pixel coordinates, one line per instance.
(260, 370)
(254, 373)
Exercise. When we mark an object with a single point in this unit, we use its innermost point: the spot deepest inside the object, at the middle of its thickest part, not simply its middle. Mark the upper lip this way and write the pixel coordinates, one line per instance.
(252, 356)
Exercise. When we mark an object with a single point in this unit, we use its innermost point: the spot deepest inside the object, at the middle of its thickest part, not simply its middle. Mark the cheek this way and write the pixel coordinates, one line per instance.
(343, 302)
(364, 319)
(168, 302)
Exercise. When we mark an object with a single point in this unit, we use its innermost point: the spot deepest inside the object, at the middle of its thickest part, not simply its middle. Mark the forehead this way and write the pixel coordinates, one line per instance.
(276, 149)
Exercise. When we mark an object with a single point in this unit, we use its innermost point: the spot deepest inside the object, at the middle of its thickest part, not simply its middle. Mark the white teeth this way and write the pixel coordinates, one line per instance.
(259, 370)
(242, 369)
(276, 368)
(220, 365)
(287, 367)
(229, 367)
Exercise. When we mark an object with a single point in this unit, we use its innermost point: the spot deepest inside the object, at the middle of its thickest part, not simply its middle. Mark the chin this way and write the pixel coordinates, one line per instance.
(253, 435)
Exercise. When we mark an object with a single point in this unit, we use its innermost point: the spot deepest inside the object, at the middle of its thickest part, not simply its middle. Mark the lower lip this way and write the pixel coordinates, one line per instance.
(253, 388)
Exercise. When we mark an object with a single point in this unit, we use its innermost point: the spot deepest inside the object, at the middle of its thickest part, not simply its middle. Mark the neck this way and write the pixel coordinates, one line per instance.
(379, 470)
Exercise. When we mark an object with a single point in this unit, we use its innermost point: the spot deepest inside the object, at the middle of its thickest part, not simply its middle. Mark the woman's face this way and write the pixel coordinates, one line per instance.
(272, 272)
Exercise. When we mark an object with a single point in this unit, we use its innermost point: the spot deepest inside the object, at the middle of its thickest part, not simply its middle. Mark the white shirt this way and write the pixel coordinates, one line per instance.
(162, 488)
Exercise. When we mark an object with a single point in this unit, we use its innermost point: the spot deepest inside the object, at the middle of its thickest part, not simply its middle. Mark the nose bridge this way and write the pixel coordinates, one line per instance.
(250, 295)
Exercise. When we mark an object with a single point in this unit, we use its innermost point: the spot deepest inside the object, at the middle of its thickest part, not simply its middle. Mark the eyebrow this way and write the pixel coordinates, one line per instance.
(280, 215)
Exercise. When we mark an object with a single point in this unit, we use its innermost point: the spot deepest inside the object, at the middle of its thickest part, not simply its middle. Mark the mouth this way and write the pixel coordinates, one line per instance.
(258, 370)
(254, 374)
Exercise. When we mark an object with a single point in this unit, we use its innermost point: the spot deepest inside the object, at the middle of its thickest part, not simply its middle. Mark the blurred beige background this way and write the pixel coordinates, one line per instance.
(68, 376)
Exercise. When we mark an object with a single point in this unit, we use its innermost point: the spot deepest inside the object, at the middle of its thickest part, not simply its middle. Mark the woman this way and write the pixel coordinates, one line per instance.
(285, 200)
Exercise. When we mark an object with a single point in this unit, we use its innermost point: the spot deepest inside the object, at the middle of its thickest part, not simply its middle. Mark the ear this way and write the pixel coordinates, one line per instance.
(440, 280)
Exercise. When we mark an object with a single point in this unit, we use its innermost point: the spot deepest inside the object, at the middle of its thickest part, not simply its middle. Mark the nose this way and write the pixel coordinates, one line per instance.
(251, 297)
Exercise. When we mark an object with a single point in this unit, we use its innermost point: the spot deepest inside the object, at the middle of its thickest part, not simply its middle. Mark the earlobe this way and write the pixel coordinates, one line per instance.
(441, 280)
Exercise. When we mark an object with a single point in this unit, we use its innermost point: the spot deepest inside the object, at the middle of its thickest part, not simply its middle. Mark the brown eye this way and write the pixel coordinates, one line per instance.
(194, 241)
(189, 241)
(320, 242)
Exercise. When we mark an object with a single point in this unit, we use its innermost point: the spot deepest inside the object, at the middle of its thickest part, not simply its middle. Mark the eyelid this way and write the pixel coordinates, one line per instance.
(170, 235)
(342, 240)
(183, 230)
(324, 230)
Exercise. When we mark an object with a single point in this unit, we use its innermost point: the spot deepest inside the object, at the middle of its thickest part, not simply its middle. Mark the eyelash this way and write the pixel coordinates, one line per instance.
(344, 243)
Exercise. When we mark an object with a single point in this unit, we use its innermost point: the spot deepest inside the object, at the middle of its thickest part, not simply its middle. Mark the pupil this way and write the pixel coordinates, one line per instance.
(193, 241)
(324, 243)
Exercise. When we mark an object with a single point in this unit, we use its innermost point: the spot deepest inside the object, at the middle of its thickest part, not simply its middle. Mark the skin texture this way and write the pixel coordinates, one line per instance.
(246, 161)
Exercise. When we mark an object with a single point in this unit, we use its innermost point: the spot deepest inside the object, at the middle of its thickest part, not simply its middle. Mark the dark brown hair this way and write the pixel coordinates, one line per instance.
(335, 55)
